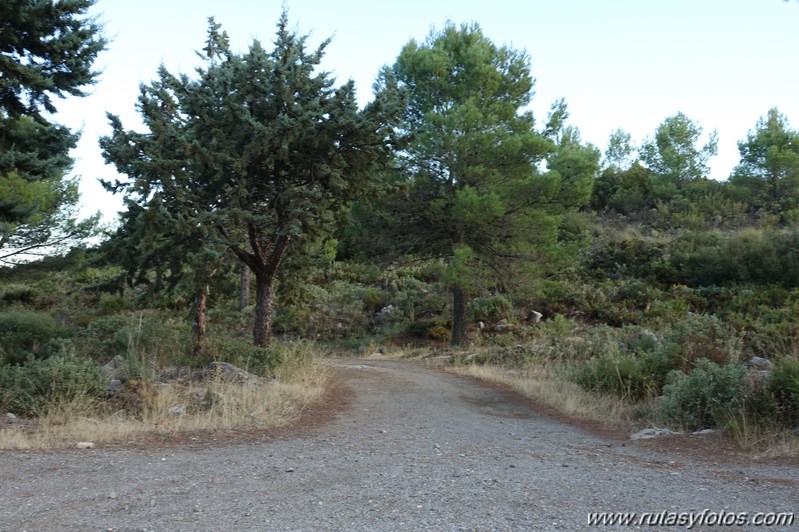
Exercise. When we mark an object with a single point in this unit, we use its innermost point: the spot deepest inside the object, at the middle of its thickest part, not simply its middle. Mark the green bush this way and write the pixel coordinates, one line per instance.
(111, 304)
(703, 397)
(434, 329)
(784, 387)
(240, 352)
(141, 337)
(492, 308)
(31, 388)
(104, 338)
(24, 333)
(19, 293)
(621, 374)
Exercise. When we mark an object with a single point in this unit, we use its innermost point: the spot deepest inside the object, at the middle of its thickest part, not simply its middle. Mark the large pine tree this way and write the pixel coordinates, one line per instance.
(478, 198)
(47, 49)
(251, 157)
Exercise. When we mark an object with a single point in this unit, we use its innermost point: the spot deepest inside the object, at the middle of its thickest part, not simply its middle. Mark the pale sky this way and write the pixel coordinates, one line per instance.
(618, 63)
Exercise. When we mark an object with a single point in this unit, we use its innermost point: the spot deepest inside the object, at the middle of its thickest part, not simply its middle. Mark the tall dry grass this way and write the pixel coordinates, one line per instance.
(544, 385)
(208, 405)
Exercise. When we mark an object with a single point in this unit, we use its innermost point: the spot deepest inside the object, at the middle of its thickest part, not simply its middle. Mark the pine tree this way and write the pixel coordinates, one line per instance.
(477, 198)
(255, 155)
(47, 49)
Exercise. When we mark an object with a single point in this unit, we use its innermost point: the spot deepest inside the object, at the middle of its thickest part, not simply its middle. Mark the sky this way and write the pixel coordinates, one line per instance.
(626, 64)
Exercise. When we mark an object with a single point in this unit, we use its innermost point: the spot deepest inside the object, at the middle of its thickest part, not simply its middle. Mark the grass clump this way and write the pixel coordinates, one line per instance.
(34, 387)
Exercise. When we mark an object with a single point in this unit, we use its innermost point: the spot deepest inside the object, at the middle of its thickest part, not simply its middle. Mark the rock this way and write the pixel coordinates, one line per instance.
(649, 335)
(204, 400)
(178, 410)
(703, 431)
(652, 433)
(228, 372)
(112, 495)
(84, 445)
(534, 316)
(502, 326)
(11, 418)
(115, 366)
(384, 313)
(759, 363)
(758, 371)
(114, 387)
(481, 325)
(174, 374)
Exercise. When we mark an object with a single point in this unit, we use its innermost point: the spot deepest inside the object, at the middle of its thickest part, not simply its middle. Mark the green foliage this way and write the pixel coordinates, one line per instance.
(784, 388)
(491, 309)
(19, 293)
(24, 333)
(31, 388)
(241, 353)
(751, 255)
(673, 154)
(476, 197)
(623, 375)
(48, 51)
(704, 396)
(436, 329)
(147, 341)
(257, 154)
(768, 174)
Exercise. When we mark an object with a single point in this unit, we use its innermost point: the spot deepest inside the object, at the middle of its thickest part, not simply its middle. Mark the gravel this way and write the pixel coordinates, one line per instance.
(417, 449)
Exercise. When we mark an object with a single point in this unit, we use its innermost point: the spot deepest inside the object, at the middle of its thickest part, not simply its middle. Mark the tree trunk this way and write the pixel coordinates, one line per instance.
(244, 287)
(458, 316)
(199, 320)
(262, 330)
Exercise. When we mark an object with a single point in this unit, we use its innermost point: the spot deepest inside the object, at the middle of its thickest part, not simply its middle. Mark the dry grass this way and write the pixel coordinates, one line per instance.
(546, 387)
(212, 405)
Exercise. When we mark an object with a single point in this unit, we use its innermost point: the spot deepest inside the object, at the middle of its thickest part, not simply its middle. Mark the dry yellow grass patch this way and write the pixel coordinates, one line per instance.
(545, 386)
(206, 406)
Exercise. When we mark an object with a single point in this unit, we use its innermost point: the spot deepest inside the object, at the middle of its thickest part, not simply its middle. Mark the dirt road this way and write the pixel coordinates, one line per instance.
(415, 449)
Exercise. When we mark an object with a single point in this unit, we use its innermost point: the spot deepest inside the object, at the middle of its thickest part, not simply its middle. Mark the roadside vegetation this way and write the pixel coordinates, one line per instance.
(439, 221)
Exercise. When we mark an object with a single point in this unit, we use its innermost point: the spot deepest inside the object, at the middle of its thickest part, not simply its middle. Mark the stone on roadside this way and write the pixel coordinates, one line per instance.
(84, 445)
(652, 433)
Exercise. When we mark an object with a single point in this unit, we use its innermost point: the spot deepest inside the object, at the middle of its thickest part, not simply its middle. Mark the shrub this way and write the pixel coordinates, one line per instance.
(111, 304)
(493, 308)
(702, 397)
(784, 387)
(242, 353)
(23, 333)
(622, 374)
(433, 329)
(104, 338)
(706, 336)
(144, 338)
(30, 389)
(19, 293)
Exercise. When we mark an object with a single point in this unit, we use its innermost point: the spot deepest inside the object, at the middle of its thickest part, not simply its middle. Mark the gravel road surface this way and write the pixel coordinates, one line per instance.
(414, 449)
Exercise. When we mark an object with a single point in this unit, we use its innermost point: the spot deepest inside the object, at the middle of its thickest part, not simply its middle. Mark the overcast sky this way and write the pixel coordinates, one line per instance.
(618, 63)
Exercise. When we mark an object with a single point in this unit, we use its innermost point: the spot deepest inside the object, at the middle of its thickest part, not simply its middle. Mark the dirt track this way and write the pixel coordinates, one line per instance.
(408, 449)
